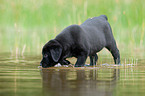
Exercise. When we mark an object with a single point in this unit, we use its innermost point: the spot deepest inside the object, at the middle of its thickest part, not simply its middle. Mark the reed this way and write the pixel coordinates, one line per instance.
(26, 25)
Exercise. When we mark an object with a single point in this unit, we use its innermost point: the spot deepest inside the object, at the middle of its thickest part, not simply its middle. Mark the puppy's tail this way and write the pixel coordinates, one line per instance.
(104, 16)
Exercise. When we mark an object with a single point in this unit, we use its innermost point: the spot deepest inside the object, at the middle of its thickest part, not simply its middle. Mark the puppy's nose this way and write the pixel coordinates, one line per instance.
(40, 64)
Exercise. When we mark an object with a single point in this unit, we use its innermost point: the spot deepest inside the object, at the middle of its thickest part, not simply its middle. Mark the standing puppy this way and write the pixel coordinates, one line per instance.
(81, 41)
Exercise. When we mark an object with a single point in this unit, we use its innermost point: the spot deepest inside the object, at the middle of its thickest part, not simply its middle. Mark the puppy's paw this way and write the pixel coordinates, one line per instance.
(79, 66)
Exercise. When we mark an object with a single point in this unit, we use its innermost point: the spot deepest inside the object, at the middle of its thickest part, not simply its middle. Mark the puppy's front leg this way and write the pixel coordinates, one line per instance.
(81, 61)
(64, 62)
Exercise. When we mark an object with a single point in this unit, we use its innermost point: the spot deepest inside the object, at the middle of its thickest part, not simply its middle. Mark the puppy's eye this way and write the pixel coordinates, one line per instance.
(45, 55)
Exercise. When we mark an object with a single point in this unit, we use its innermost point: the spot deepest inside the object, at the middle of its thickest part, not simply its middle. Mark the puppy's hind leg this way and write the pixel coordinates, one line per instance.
(96, 59)
(115, 53)
(93, 60)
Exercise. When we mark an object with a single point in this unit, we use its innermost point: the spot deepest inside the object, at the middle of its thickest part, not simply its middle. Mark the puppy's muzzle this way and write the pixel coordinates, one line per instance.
(40, 64)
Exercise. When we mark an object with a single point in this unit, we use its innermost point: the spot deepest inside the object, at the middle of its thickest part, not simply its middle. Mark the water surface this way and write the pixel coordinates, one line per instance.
(20, 76)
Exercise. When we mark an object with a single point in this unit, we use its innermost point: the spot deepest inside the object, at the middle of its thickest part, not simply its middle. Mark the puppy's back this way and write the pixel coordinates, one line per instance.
(95, 21)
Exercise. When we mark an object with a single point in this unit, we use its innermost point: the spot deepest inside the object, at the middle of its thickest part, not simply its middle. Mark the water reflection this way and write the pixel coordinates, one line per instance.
(77, 82)
(19, 76)
(22, 77)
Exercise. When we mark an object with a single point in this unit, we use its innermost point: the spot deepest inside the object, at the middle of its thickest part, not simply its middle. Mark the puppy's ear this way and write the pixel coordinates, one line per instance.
(56, 53)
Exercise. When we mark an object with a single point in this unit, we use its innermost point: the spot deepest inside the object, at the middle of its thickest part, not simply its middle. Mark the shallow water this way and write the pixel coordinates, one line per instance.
(21, 77)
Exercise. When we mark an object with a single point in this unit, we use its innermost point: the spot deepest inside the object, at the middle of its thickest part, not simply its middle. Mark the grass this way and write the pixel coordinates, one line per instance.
(26, 25)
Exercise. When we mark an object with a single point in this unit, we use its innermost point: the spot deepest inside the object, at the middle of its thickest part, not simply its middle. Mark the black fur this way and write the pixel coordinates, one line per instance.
(81, 41)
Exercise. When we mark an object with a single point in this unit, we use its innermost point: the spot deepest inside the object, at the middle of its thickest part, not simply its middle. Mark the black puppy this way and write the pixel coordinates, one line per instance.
(81, 41)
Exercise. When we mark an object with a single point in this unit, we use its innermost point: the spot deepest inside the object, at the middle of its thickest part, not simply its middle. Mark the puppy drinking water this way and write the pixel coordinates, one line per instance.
(81, 41)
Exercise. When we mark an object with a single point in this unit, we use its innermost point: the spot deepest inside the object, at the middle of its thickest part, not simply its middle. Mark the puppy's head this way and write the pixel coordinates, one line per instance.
(51, 52)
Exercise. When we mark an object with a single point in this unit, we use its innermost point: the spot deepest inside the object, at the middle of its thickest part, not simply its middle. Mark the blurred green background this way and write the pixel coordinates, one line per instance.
(26, 25)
